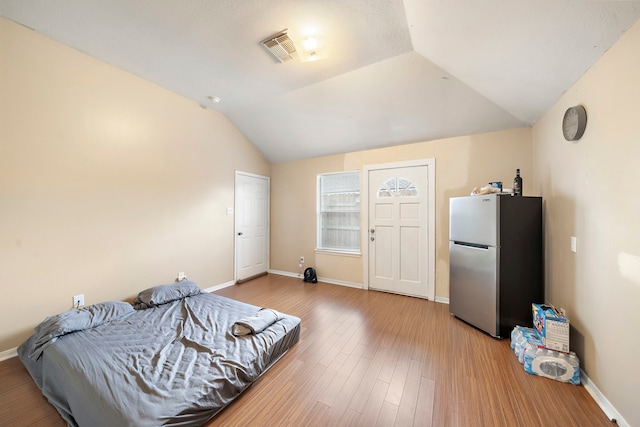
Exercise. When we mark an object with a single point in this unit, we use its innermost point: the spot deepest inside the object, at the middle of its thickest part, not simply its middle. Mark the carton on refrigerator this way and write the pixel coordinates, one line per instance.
(552, 325)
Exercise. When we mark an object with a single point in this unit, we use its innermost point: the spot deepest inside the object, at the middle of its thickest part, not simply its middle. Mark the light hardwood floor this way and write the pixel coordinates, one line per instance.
(367, 358)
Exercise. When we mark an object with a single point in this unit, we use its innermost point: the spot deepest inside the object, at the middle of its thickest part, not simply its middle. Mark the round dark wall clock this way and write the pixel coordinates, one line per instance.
(574, 123)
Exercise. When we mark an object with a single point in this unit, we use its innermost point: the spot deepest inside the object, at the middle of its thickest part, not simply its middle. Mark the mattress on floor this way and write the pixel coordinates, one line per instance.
(171, 364)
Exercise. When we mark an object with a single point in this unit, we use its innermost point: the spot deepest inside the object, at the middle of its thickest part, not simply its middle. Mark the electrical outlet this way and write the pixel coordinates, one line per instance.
(78, 300)
(181, 276)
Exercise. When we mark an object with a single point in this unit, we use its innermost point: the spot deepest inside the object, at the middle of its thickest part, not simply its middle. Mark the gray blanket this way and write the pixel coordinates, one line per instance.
(173, 364)
(256, 323)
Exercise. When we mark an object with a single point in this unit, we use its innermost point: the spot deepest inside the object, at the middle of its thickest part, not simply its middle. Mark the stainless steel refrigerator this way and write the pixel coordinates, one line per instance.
(495, 260)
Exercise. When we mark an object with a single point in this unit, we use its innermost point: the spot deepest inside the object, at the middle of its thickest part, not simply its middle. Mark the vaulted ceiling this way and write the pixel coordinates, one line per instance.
(391, 71)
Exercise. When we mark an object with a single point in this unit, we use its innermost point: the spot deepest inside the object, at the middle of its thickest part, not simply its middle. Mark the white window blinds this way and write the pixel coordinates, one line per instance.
(339, 211)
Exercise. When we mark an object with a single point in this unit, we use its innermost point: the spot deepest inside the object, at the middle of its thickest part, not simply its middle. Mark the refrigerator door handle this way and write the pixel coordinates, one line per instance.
(471, 245)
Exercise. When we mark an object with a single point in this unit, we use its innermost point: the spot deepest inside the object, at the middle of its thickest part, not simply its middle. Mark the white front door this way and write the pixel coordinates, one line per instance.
(398, 235)
(252, 225)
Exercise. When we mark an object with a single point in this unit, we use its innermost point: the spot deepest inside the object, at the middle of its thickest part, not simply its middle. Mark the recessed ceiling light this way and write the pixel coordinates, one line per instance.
(313, 49)
(310, 43)
(213, 99)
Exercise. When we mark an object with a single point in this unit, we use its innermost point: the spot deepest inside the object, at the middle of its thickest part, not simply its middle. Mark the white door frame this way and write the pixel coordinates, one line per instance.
(431, 220)
(236, 221)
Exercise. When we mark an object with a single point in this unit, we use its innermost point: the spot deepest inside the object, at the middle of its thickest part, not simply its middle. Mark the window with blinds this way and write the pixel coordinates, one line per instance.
(339, 212)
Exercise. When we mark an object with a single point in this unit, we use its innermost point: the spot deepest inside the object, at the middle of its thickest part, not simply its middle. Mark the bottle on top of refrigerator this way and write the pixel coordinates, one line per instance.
(517, 184)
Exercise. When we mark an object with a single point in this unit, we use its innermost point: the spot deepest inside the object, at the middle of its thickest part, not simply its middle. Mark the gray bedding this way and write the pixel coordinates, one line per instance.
(172, 364)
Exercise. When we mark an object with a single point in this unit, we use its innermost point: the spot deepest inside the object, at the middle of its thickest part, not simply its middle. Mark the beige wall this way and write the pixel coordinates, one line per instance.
(461, 164)
(108, 183)
(590, 192)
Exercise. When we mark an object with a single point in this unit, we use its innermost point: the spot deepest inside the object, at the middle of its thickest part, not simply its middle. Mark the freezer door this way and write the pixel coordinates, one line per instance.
(473, 286)
(474, 219)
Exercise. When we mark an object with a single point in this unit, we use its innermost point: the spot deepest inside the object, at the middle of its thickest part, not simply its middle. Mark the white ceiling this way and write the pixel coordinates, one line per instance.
(395, 71)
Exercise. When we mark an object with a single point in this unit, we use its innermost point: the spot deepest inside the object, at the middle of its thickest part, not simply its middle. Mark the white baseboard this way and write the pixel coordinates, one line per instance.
(286, 273)
(340, 282)
(320, 279)
(604, 404)
(442, 300)
(8, 354)
(218, 287)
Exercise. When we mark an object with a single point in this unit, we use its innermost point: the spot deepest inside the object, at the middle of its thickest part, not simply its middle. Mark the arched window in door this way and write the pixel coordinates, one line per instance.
(397, 187)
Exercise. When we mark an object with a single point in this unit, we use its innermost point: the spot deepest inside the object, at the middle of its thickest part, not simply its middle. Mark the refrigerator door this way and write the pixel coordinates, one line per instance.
(473, 286)
(474, 219)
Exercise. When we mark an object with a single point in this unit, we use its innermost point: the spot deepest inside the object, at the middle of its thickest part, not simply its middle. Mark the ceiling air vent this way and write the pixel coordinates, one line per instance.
(281, 46)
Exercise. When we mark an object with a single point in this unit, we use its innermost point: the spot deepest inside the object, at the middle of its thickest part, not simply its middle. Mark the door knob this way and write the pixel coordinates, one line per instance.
(240, 233)
(373, 230)
(372, 239)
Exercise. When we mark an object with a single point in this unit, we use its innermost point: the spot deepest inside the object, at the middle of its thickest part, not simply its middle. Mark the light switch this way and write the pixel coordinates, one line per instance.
(574, 244)
(229, 211)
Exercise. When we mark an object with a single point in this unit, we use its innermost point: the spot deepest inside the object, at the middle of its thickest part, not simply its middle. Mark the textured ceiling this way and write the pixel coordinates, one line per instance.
(394, 71)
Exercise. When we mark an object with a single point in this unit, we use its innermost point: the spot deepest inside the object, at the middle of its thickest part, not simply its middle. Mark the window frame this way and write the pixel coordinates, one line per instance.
(320, 247)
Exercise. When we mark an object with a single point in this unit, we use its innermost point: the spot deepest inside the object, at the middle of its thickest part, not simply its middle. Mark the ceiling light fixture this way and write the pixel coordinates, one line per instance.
(310, 43)
(312, 49)
(281, 46)
(213, 99)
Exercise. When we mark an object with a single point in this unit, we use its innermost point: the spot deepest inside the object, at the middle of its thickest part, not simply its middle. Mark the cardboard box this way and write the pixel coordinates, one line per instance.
(552, 325)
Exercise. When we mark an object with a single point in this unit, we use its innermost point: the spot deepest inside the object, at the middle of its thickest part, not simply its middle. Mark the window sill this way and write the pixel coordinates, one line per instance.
(338, 253)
